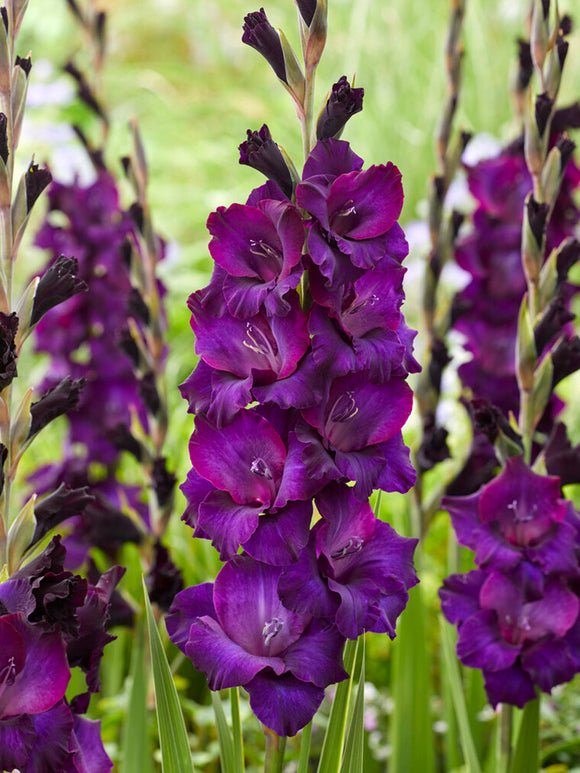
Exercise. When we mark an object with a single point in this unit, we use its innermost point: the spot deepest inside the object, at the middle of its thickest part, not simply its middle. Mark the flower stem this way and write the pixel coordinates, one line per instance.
(504, 738)
(237, 730)
(306, 117)
(275, 748)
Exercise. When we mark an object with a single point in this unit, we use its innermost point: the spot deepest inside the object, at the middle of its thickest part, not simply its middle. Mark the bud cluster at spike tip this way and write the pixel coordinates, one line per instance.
(517, 613)
(51, 621)
(298, 404)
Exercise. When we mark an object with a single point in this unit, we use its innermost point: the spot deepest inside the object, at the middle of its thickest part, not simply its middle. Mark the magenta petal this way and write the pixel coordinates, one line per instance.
(280, 536)
(301, 389)
(303, 589)
(36, 689)
(283, 703)
(296, 483)
(398, 474)
(460, 596)
(331, 157)
(188, 604)
(375, 195)
(228, 396)
(464, 512)
(225, 663)
(246, 458)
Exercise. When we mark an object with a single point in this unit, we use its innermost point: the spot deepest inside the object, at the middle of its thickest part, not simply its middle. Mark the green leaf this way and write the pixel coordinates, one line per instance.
(136, 747)
(224, 735)
(334, 737)
(238, 739)
(453, 675)
(412, 690)
(352, 761)
(527, 751)
(175, 752)
(305, 749)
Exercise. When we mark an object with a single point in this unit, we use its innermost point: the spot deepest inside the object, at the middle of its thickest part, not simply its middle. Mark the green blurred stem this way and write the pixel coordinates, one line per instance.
(504, 739)
(237, 730)
(306, 117)
(275, 748)
(305, 749)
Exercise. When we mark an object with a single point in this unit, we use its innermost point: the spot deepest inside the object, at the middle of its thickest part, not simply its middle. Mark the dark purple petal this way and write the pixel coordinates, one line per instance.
(267, 628)
(283, 703)
(226, 523)
(331, 157)
(317, 655)
(90, 755)
(52, 742)
(261, 152)
(280, 536)
(259, 34)
(16, 739)
(302, 588)
(512, 685)
(549, 663)
(460, 596)
(481, 645)
(187, 605)
(343, 102)
(246, 458)
(398, 474)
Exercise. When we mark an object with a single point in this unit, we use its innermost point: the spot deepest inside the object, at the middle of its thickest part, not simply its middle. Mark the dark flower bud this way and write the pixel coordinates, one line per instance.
(4, 14)
(489, 421)
(566, 118)
(457, 219)
(553, 319)
(433, 448)
(136, 306)
(479, 468)
(58, 283)
(261, 152)
(85, 92)
(137, 215)
(439, 359)
(126, 252)
(307, 9)
(3, 138)
(25, 64)
(568, 255)
(121, 613)
(537, 217)
(562, 50)
(561, 458)
(100, 23)
(149, 394)
(543, 111)
(565, 25)
(61, 399)
(57, 507)
(50, 560)
(565, 358)
(123, 440)
(128, 345)
(259, 34)
(74, 7)
(8, 328)
(106, 527)
(566, 147)
(3, 457)
(163, 481)
(35, 181)
(164, 580)
(58, 597)
(343, 102)
(526, 65)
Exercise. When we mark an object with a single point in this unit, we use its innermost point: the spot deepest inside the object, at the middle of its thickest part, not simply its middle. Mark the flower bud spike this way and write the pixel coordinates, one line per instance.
(540, 33)
(526, 356)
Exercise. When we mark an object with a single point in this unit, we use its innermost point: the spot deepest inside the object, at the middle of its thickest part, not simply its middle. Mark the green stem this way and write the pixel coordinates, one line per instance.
(275, 748)
(305, 749)
(306, 118)
(504, 739)
(237, 730)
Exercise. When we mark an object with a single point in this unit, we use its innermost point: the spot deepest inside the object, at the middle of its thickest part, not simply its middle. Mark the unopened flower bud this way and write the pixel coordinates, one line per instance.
(64, 397)
(568, 256)
(317, 30)
(259, 34)
(526, 356)
(533, 237)
(342, 103)
(58, 283)
(540, 32)
(35, 181)
(566, 359)
(261, 152)
(555, 66)
(553, 319)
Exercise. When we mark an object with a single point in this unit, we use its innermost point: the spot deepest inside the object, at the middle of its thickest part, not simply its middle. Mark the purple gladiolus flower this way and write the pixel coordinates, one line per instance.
(260, 248)
(519, 628)
(355, 569)
(249, 487)
(519, 516)
(283, 659)
(259, 34)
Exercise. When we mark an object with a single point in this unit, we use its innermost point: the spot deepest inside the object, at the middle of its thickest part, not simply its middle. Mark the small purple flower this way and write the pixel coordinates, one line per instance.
(260, 248)
(519, 629)
(519, 516)
(238, 633)
(356, 568)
